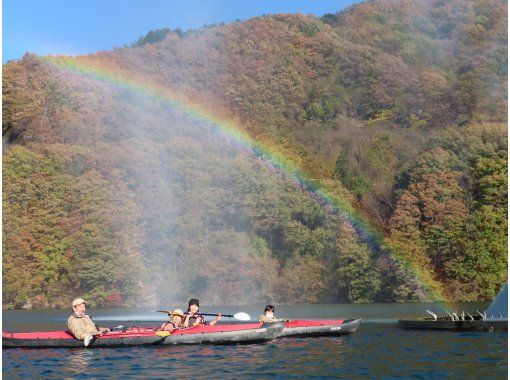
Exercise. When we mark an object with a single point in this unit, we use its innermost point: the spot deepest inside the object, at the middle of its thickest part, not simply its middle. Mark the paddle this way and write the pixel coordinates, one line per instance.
(239, 316)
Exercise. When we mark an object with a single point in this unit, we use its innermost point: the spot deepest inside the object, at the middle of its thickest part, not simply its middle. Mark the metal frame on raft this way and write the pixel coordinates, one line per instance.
(494, 318)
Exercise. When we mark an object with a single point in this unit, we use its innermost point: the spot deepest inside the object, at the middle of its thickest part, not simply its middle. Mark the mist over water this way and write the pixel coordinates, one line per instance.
(185, 185)
(209, 217)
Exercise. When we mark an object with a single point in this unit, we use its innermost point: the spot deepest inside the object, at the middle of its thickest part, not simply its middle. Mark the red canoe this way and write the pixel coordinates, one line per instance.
(203, 334)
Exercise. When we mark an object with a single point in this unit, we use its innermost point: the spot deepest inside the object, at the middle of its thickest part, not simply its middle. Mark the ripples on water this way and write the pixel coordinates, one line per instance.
(376, 350)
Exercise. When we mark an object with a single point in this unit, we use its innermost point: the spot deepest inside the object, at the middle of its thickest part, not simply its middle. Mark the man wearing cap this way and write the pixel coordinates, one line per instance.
(81, 325)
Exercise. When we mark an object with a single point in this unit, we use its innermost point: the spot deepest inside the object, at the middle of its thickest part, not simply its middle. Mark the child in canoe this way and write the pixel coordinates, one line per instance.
(268, 315)
(176, 321)
(193, 316)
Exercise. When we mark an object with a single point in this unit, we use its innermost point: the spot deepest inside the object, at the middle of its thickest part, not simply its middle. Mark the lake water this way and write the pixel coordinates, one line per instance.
(376, 350)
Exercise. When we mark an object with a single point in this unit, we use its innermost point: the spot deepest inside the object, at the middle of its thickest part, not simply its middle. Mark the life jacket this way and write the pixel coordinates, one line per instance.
(174, 325)
(196, 320)
(265, 318)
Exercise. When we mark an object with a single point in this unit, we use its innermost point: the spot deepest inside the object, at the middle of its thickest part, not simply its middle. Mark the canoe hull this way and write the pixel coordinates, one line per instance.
(320, 328)
(61, 343)
(261, 334)
(220, 334)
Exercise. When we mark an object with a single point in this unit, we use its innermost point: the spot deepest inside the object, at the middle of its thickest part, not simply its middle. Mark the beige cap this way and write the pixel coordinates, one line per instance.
(178, 312)
(78, 301)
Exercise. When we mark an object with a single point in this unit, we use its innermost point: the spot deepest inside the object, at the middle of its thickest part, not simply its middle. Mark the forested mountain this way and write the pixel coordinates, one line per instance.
(398, 108)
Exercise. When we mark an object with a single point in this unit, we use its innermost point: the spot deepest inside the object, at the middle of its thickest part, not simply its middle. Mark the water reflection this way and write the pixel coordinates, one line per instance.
(79, 361)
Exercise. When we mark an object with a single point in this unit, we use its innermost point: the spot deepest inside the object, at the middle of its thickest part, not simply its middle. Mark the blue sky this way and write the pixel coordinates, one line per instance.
(84, 26)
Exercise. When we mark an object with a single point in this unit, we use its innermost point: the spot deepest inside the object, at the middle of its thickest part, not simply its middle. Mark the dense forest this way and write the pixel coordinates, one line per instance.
(397, 109)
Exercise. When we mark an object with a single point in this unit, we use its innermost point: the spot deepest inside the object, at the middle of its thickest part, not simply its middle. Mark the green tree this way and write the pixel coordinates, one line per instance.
(357, 279)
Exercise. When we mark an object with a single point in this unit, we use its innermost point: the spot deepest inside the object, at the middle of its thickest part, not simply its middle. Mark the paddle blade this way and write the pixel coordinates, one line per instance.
(242, 316)
(162, 311)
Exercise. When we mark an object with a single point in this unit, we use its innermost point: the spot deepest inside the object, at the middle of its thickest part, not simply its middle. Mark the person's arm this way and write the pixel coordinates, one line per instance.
(164, 326)
(215, 320)
(90, 327)
(186, 320)
(99, 330)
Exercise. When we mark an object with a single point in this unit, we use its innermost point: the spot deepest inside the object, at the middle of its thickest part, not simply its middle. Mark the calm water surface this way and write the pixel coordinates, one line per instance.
(377, 350)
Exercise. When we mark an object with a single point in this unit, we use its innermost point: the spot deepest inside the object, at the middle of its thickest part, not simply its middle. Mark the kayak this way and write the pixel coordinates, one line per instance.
(226, 334)
(203, 334)
(303, 328)
(51, 339)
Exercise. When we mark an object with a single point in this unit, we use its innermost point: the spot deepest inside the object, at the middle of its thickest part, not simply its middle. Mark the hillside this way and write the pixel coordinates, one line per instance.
(116, 189)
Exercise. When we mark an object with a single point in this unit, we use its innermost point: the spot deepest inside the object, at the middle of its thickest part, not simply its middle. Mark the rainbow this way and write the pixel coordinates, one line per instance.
(274, 155)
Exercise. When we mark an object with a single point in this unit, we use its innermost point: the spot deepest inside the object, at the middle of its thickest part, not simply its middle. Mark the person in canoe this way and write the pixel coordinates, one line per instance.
(176, 321)
(193, 316)
(268, 315)
(81, 325)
